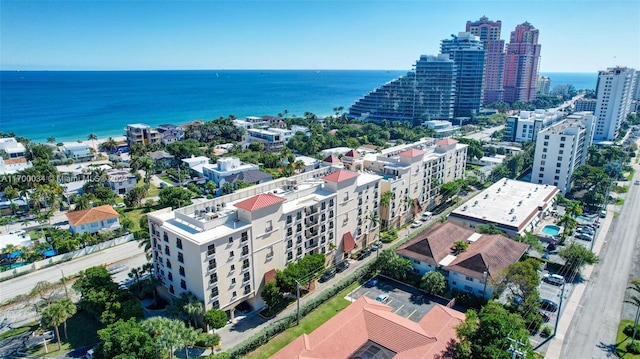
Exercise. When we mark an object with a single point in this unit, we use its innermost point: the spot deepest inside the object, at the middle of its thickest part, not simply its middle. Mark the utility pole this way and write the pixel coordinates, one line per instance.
(555, 329)
(513, 349)
(298, 299)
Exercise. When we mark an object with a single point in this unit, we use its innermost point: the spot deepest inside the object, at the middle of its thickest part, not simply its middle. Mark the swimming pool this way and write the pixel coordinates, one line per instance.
(551, 230)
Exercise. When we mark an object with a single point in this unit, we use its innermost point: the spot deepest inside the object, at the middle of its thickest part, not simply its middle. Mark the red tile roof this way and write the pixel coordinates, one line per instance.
(92, 215)
(446, 141)
(270, 276)
(260, 201)
(339, 176)
(366, 321)
(332, 159)
(493, 253)
(14, 161)
(414, 152)
(352, 153)
(435, 244)
(348, 243)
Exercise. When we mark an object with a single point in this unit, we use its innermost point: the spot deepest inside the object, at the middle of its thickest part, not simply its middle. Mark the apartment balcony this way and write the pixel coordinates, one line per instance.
(311, 210)
(311, 244)
(310, 221)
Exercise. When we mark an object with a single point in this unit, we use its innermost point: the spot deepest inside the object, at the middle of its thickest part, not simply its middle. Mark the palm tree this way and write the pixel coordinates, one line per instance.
(227, 187)
(192, 308)
(110, 144)
(385, 198)
(574, 209)
(69, 310)
(11, 194)
(635, 301)
(51, 140)
(299, 166)
(53, 316)
(92, 137)
(374, 219)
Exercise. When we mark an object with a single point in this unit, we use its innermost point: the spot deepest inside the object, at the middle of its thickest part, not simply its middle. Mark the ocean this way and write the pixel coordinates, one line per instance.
(70, 105)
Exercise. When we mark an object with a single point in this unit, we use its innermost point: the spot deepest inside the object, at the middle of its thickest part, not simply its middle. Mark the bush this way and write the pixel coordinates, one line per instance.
(533, 321)
(628, 331)
(221, 355)
(633, 349)
(546, 331)
(468, 300)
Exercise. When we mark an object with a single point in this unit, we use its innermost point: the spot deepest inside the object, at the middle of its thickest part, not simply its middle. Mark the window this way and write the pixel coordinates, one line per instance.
(416, 261)
(230, 240)
(183, 284)
(181, 271)
(546, 143)
(180, 257)
(559, 158)
(289, 243)
(541, 175)
(245, 250)
(211, 250)
(245, 237)
(557, 171)
(214, 292)
(544, 157)
(269, 226)
(167, 251)
(171, 290)
(212, 264)
(469, 279)
(562, 138)
(562, 145)
(331, 202)
(234, 294)
(289, 256)
(233, 281)
(289, 231)
(247, 289)
(558, 164)
(216, 304)
(170, 276)
(168, 263)
(245, 264)
(231, 254)
(546, 137)
(179, 243)
(299, 251)
(556, 177)
(246, 277)
(233, 267)
(468, 289)
(213, 278)
(289, 219)
(165, 237)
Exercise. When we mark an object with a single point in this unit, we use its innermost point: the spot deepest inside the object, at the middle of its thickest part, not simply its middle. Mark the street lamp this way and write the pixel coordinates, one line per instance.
(64, 283)
(485, 276)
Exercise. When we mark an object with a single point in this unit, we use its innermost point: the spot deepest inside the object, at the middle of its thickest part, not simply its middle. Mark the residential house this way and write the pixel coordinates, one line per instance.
(93, 220)
(78, 151)
(162, 160)
(121, 182)
(470, 271)
(139, 133)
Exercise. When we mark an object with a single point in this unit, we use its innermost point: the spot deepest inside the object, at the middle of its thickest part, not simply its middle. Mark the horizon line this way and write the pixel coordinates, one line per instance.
(239, 69)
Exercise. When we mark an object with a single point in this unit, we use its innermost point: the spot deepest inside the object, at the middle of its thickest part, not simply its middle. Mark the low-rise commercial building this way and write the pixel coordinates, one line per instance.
(512, 206)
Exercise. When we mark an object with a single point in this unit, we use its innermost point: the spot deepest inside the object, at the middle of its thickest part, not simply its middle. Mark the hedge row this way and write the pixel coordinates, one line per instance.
(287, 322)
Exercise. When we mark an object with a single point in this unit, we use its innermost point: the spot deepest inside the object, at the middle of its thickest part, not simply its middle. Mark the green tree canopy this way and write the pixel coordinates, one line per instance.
(433, 283)
(521, 280)
(125, 338)
(185, 149)
(391, 264)
(174, 197)
(484, 335)
(576, 256)
(216, 318)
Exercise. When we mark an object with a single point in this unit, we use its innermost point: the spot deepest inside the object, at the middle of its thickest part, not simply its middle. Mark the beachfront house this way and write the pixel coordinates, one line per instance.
(78, 151)
(93, 220)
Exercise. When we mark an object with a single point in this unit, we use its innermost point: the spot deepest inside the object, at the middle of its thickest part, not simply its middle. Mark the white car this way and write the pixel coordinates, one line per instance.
(416, 224)
(426, 216)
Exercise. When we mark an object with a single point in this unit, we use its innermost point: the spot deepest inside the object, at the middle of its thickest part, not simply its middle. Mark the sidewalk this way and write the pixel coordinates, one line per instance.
(555, 345)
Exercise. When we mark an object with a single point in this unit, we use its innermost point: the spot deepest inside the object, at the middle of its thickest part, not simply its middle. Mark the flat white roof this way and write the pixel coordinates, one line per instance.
(508, 203)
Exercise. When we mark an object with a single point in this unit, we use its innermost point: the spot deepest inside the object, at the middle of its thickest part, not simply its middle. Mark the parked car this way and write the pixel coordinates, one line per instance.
(547, 304)
(416, 224)
(342, 266)
(383, 298)
(584, 236)
(426, 216)
(330, 273)
(376, 245)
(554, 279)
(546, 316)
(364, 254)
(637, 182)
(602, 213)
(587, 230)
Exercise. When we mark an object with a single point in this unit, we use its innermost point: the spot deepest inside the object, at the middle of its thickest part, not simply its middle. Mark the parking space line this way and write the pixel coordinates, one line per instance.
(409, 316)
(365, 293)
(396, 311)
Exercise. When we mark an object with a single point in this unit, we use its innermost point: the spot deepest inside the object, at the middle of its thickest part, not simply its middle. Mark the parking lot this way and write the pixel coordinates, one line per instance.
(551, 292)
(406, 301)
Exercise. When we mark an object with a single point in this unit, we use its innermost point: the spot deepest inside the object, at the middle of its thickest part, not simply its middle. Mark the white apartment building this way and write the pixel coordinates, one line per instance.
(525, 126)
(140, 133)
(225, 166)
(614, 92)
(412, 174)
(562, 148)
(585, 104)
(222, 250)
(512, 206)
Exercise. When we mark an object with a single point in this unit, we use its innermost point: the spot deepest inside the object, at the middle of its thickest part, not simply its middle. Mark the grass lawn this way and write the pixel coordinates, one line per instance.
(619, 201)
(167, 179)
(20, 330)
(622, 340)
(82, 329)
(307, 324)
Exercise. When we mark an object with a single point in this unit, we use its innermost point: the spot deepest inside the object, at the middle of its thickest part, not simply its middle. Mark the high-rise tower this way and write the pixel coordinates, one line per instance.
(614, 92)
(521, 64)
(489, 33)
(467, 51)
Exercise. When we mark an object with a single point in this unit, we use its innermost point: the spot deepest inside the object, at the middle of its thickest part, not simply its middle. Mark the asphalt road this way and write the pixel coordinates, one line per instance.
(592, 333)
(23, 284)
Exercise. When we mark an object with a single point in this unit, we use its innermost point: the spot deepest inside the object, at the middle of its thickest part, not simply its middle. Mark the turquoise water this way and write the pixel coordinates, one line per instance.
(551, 230)
(70, 105)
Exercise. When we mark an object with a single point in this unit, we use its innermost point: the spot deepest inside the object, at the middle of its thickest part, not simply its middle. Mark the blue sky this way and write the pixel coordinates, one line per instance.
(576, 36)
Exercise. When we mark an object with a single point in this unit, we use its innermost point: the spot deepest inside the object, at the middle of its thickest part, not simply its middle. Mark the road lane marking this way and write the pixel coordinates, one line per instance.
(396, 311)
